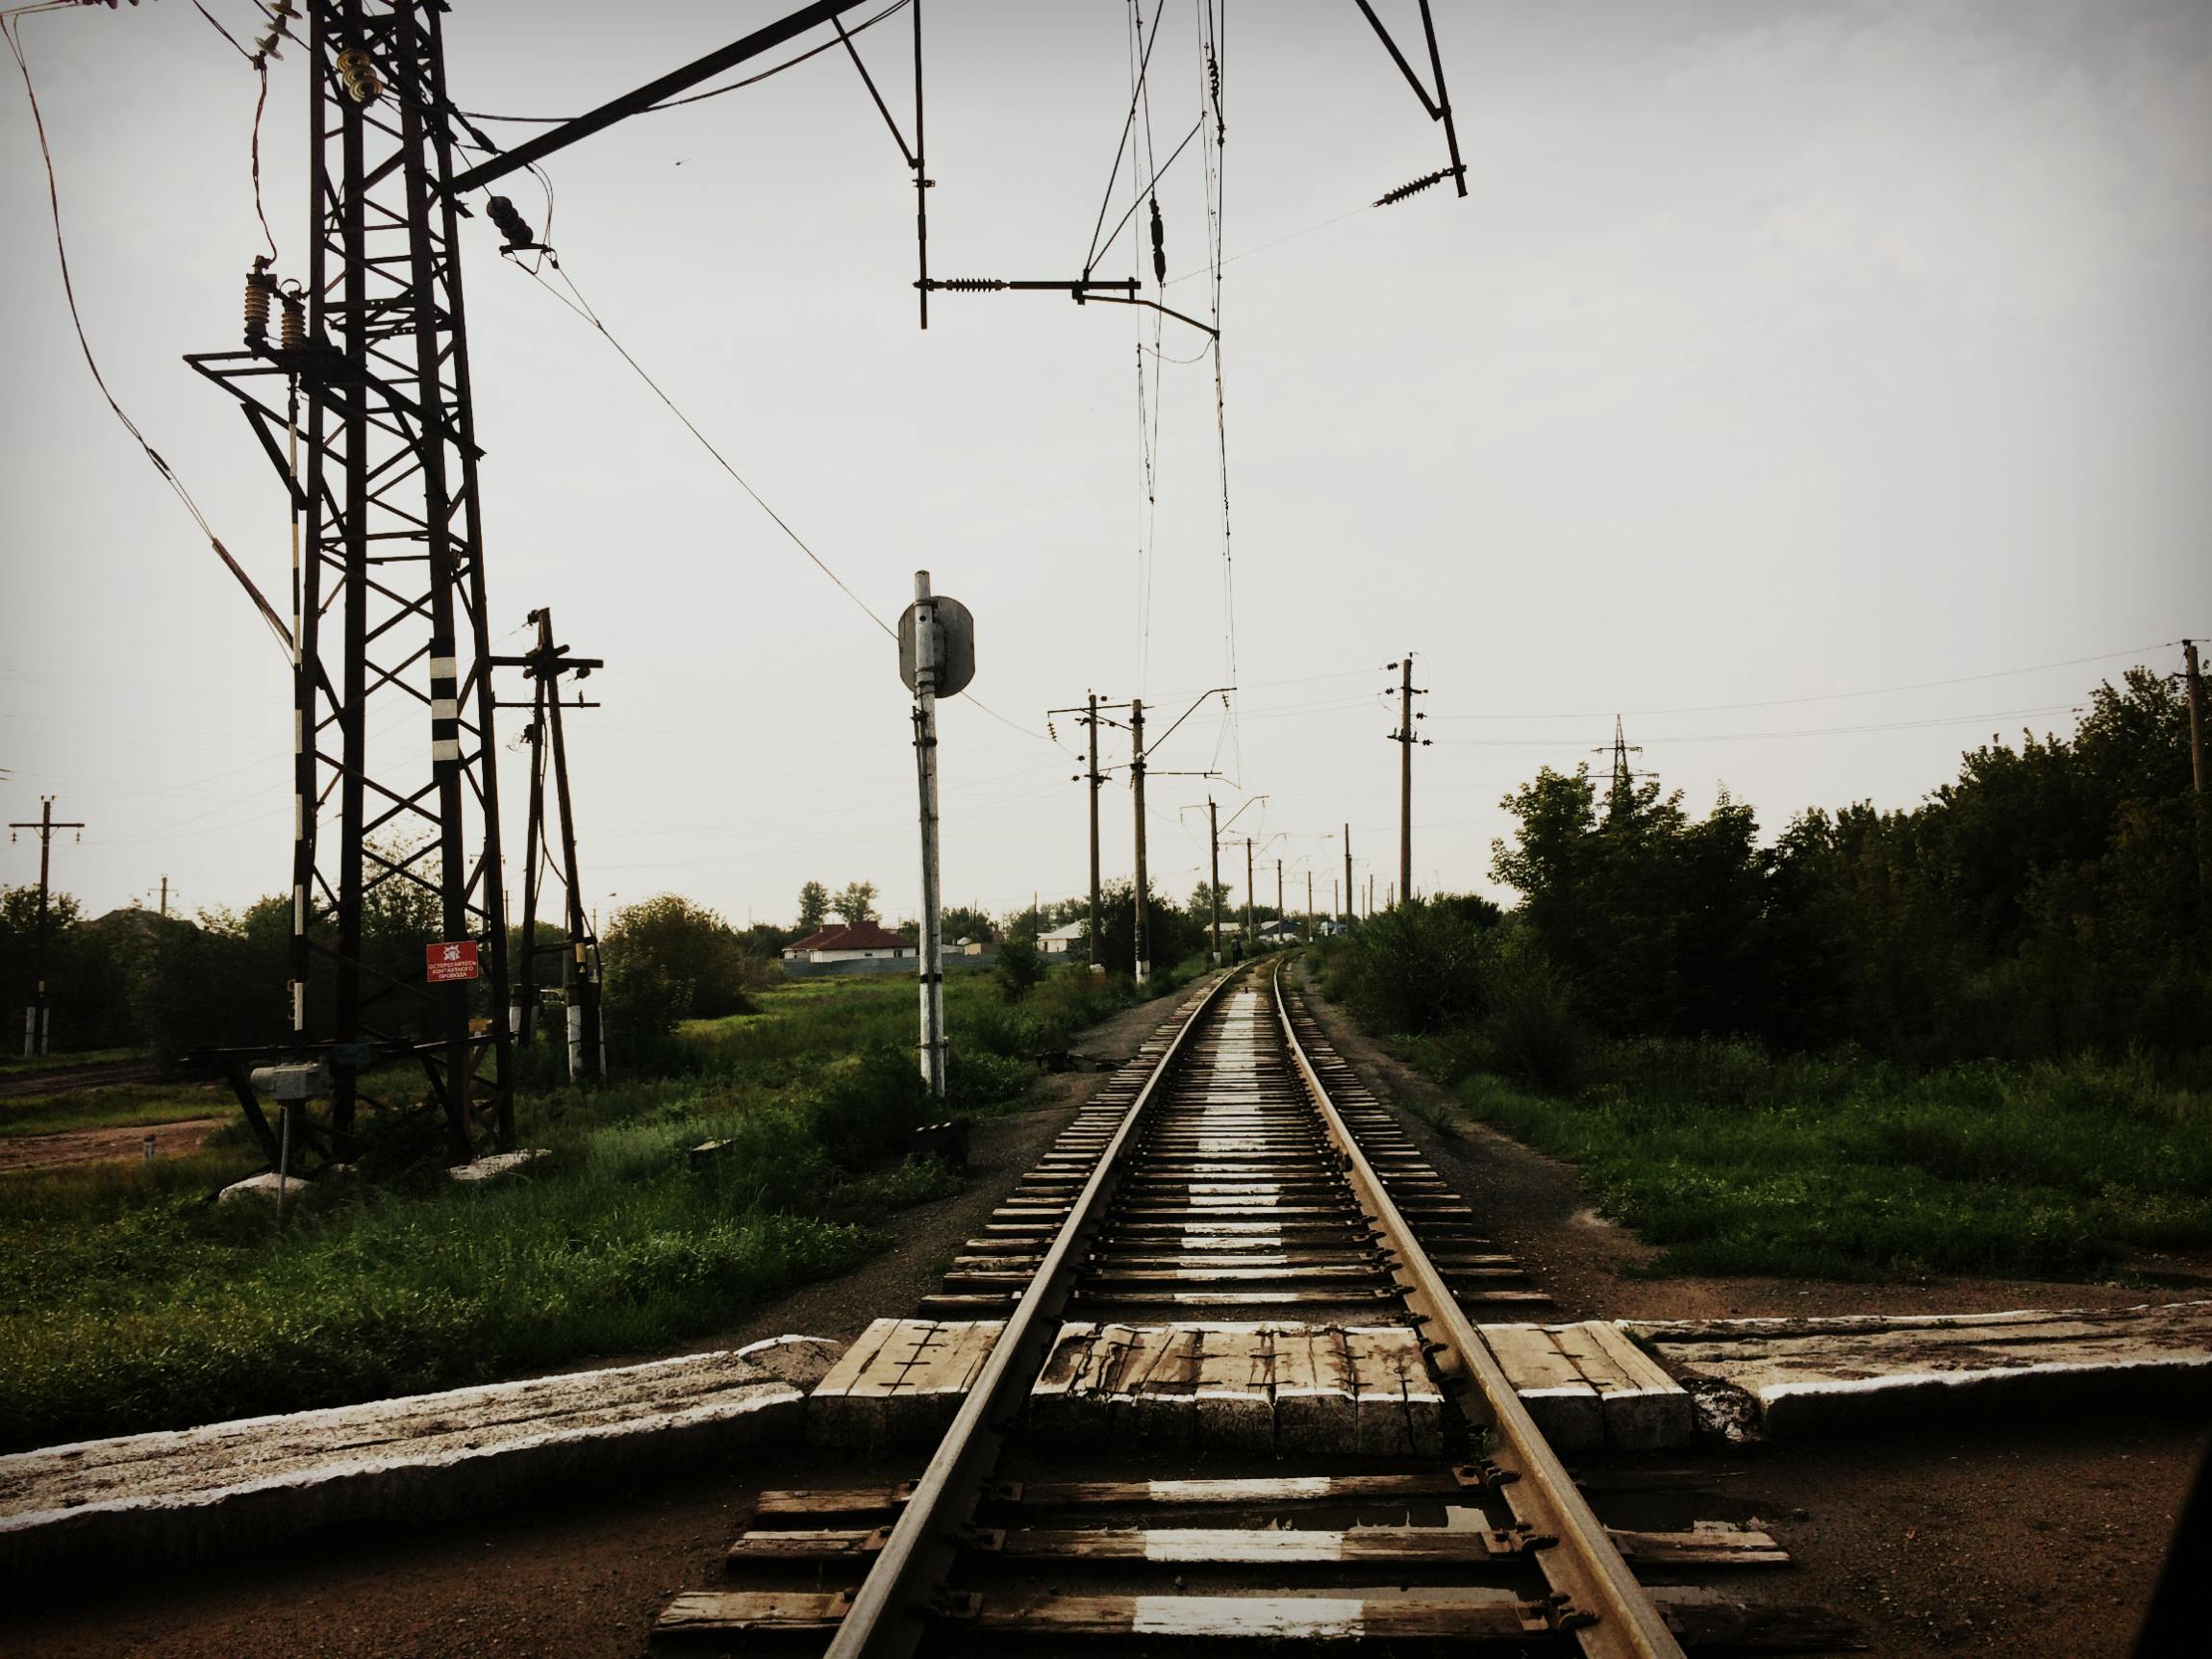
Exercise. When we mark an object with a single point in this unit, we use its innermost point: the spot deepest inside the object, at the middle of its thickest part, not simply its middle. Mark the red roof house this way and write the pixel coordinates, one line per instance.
(853, 941)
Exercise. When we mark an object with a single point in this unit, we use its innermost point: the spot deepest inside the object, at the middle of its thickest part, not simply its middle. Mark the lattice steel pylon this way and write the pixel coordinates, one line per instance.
(389, 613)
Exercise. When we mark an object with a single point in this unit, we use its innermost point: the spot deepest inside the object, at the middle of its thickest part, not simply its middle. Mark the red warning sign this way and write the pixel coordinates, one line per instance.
(449, 962)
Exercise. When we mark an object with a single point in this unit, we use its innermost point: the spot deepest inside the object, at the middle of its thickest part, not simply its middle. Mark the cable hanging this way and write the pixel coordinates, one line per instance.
(10, 23)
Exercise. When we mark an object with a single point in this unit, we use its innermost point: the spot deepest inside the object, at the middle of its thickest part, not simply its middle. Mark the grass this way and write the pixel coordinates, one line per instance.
(121, 1107)
(85, 1057)
(1733, 1161)
(129, 1301)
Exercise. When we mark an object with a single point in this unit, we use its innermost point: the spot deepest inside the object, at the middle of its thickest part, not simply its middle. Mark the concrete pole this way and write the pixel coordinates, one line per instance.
(1143, 941)
(1405, 779)
(1096, 781)
(1250, 938)
(932, 971)
(1214, 877)
(1350, 891)
(2197, 763)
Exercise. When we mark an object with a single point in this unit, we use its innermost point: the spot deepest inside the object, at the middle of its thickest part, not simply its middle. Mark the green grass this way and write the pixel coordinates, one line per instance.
(129, 1301)
(123, 1106)
(1735, 1162)
(86, 1057)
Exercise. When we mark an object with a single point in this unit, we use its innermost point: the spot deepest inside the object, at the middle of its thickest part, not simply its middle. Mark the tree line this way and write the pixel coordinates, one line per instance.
(2051, 900)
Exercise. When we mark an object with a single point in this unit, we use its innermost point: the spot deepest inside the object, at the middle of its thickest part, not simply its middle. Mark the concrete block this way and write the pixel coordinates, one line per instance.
(181, 1496)
(497, 1166)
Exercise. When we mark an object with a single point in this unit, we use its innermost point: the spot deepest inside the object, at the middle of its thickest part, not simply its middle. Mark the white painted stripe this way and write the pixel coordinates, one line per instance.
(444, 668)
(444, 708)
(1317, 1616)
(1296, 1485)
(445, 749)
(1201, 1543)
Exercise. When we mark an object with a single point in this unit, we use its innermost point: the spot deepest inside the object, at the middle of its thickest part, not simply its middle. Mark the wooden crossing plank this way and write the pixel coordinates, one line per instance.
(904, 1385)
(1558, 1395)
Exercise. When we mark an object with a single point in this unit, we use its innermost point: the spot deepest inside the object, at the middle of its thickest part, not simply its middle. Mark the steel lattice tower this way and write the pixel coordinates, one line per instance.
(388, 592)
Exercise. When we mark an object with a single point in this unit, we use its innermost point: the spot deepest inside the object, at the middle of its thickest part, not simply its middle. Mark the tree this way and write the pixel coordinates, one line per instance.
(855, 903)
(673, 950)
(962, 922)
(813, 906)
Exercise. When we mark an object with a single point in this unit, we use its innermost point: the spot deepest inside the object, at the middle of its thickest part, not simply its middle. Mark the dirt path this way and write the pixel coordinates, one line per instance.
(94, 1146)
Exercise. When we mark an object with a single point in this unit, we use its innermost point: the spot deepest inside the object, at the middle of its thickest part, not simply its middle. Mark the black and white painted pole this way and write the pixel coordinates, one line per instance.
(935, 659)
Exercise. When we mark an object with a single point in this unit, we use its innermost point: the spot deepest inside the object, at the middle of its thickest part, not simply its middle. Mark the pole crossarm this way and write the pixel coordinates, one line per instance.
(643, 98)
(1437, 105)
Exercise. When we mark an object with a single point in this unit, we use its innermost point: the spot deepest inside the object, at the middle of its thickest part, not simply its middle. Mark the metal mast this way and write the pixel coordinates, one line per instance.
(393, 698)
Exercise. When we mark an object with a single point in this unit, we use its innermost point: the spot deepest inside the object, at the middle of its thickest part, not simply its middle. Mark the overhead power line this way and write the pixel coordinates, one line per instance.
(1828, 696)
(10, 23)
(583, 309)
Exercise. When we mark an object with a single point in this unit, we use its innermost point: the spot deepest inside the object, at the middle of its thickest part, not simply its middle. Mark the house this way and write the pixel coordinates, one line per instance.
(1061, 941)
(855, 941)
(1283, 932)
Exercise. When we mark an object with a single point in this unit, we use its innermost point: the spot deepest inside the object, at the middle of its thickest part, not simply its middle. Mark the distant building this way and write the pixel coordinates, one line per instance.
(1281, 932)
(1062, 940)
(858, 941)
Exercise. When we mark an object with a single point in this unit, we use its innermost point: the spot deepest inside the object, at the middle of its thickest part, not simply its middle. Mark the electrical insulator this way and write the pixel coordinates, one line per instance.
(260, 288)
(292, 335)
(510, 223)
(357, 73)
(1159, 245)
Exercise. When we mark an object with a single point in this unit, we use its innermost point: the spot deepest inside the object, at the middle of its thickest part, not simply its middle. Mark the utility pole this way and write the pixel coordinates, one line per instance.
(1143, 961)
(1371, 892)
(1404, 738)
(164, 898)
(925, 677)
(1214, 876)
(580, 948)
(2197, 763)
(1309, 901)
(35, 1023)
(1281, 914)
(1250, 938)
(1096, 779)
(1350, 891)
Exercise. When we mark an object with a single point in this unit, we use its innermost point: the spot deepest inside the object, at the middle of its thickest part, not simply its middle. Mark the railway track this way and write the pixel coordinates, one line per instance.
(1214, 1378)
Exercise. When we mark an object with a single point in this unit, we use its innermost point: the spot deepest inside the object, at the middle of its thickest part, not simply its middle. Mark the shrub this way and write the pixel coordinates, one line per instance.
(1020, 965)
(1421, 966)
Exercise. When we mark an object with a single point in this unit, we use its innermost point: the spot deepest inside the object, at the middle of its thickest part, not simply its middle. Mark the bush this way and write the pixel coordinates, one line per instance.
(1419, 967)
(1020, 965)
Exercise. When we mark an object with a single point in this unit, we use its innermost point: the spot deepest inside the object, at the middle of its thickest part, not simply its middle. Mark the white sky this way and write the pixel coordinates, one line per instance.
(1780, 351)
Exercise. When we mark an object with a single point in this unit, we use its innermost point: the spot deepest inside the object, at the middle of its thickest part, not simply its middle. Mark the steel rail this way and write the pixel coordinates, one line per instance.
(885, 1617)
(1583, 1564)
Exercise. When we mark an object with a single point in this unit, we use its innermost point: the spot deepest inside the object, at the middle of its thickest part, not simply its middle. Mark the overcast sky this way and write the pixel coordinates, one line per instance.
(1779, 355)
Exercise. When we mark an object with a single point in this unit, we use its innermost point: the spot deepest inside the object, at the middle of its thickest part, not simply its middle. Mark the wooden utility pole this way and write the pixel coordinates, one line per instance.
(2197, 766)
(544, 664)
(36, 1027)
(164, 898)
(1143, 961)
(1214, 876)
(1280, 914)
(1309, 901)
